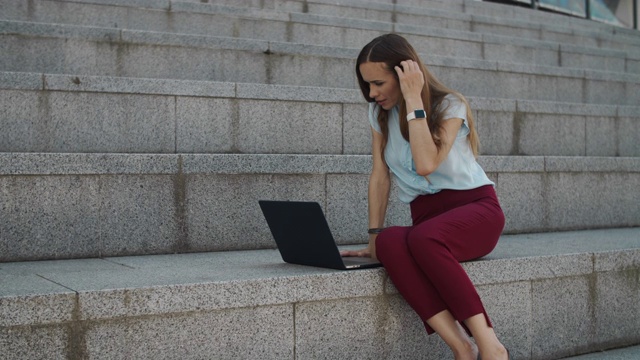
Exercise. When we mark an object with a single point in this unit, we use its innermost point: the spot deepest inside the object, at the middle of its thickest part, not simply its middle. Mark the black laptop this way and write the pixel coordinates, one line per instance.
(303, 236)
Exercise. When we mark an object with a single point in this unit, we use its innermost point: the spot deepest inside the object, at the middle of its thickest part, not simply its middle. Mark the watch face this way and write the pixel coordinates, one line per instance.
(420, 114)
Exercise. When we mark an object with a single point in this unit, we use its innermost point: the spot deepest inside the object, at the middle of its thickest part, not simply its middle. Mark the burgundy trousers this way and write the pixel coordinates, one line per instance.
(423, 260)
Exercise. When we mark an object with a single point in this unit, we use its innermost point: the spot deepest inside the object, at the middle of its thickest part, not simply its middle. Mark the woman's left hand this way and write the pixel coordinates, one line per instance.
(411, 79)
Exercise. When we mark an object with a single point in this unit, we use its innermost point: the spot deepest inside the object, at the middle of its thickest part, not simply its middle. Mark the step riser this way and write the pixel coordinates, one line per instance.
(591, 299)
(48, 55)
(112, 115)
(283, 30)
(90, 206)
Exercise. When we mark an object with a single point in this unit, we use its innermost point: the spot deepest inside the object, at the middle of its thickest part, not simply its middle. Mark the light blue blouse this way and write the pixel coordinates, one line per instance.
(459, 171)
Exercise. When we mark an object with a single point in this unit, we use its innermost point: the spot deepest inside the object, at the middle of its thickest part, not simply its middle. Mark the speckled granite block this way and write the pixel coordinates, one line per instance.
(578, 200)
(34, 342)
(88, 122)
(608, 92)
(167, 61)
(329, 71)
(526, 269)
(53, 216)
(275, 164)
(405, 334)
(123, 85)
(204, 125)
(20, 81)
(262, 279)
(346, 209)
(551, 135)
(138, 215)
(223, 212)
(298, 93)
(496, 132)
(357, 130)
(306, 33)
(322, 327)
(561, 316)
(618, 307)
(522, 54)
(522, 199)
(20, 118)
(599, 139)
(628, 135)
(264, 332)
(289, 127)
(509, 308)
(32, 300)
(512, 164)
(86, 164)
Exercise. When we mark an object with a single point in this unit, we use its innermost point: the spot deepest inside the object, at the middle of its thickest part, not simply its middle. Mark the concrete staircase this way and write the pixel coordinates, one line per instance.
(137, 137)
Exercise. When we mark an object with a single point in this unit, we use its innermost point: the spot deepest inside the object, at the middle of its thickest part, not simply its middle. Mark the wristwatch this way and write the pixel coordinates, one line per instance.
(416, 114)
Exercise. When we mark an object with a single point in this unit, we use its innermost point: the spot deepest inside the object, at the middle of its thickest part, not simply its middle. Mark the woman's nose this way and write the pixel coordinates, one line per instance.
(372, 93)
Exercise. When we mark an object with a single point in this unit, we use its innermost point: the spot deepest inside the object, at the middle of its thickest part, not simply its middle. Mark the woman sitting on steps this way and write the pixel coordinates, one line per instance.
(424, 135)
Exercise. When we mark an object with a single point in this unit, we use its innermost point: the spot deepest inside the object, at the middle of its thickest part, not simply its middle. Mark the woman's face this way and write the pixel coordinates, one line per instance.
(383, 85)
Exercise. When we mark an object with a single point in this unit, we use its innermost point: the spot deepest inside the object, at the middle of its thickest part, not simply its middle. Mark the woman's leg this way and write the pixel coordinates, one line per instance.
(438, 245)
(486, 338)
(419, 292)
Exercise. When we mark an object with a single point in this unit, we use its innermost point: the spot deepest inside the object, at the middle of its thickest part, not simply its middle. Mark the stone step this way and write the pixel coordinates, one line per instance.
(89, 114)
(455, 40)
(627, 353)
(549, 296)
(88, 205)
(47, 48)
(470, 15)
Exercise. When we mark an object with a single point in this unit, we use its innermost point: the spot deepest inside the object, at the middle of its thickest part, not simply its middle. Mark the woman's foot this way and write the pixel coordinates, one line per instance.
(469, 352)
(496, 353)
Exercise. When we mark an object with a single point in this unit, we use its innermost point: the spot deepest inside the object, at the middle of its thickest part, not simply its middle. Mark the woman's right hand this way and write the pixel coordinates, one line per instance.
(360, 253)
(369, 251)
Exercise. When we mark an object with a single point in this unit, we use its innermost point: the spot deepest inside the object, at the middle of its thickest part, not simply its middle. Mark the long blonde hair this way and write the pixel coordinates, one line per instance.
(391, 49)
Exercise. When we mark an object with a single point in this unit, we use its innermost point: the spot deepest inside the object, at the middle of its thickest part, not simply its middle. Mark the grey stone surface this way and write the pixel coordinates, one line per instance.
(138, 214)
(30, 299)
(551, 135)
(205, 125)
(561, 316)
(289, 128)
(20, 81)
(356, 129)
(590, 200)
(265, 332)
(123, 85)
(34, 343)
(628, 353)
(509, 309)
(298, 93)
(347, 208)
(189, 287)
(275, 164)
(44, 267)
(629, 137)
(50, 217)
(222, 210)
(522, 197)
(86, 164)
(321, 328)
(618, 308)
(591, 164)
(87, 122)
(496, 132)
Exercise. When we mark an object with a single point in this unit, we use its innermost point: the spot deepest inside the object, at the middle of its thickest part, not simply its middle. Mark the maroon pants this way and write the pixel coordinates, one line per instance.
(423, 260)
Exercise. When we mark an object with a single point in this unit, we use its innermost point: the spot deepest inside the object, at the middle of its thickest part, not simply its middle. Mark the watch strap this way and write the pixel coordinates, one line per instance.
(416, 114)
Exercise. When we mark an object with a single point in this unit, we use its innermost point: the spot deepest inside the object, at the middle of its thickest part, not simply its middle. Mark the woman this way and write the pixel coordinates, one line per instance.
(423, 134)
